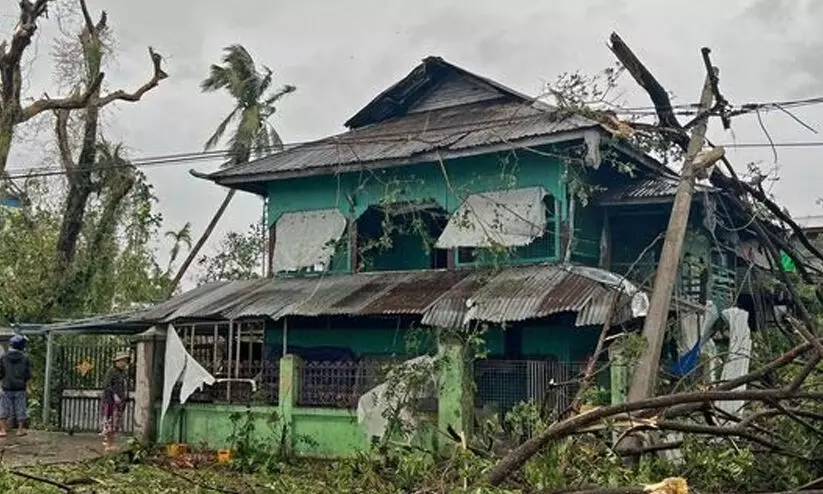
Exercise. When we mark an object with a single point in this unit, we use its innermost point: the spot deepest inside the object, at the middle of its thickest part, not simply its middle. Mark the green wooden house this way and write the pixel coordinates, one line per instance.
(450, 204)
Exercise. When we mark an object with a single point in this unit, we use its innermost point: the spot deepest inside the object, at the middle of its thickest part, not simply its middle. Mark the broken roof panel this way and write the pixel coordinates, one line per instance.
(443, 298)
(648, 190)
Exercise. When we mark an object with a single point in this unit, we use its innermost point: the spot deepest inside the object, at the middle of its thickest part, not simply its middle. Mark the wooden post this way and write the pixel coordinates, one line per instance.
(47, 380)
(644, 378)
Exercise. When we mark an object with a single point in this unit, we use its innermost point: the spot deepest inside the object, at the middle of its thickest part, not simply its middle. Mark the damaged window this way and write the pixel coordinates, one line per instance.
(307, 240)
(401, 236)
(520, 223)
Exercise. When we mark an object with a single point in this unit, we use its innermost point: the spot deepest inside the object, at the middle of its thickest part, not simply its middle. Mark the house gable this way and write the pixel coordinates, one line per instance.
(434, 84)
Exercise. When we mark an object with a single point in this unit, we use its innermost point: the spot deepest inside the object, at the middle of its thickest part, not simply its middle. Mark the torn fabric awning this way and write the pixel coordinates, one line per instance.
(509, 218)
(305, 239)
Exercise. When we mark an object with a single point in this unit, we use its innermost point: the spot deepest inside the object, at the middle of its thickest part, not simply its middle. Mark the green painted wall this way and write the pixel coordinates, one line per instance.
(317, 432)
(425, 181)
(210, 425)
(416, 182)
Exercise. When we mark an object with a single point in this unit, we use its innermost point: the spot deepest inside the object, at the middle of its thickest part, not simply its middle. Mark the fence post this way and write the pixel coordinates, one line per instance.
(619, 376)
(456, 397)
(146, 383)
(47, 384)
(289, 389)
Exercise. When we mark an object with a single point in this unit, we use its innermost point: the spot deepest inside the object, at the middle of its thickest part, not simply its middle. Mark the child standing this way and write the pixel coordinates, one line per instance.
(115, 395)
(15, 372)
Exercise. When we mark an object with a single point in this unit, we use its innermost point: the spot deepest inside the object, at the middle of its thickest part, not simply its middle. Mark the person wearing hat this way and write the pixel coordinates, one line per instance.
(115, 394)
(15, 373)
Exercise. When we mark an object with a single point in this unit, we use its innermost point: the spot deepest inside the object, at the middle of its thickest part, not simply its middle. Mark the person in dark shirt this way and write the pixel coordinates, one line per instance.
(15, 373)
(115, 395)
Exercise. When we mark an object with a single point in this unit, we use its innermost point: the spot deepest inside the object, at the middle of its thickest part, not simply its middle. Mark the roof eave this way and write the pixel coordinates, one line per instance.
(256, 188)
(246, 181)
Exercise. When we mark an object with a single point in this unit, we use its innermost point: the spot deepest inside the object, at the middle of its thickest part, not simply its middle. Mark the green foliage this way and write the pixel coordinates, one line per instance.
(239, 256)
(253, 452)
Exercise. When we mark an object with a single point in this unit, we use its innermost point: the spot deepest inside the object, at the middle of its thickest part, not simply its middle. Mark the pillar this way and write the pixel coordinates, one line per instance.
(289, 392)
(619, 376)
(148, 377)
(456, 397)
(47, 384)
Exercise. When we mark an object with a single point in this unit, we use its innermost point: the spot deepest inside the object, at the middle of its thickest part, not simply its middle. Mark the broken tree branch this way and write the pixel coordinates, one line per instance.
(44, 480)
(71, 103)
(564, 428)
(647, 81)
(158, 75)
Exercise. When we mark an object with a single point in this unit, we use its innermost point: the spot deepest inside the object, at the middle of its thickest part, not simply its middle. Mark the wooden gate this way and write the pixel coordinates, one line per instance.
(79, 373)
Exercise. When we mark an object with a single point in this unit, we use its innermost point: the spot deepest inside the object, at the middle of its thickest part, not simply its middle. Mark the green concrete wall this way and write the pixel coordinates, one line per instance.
(317, 432)
(209, 424)
(425, 181)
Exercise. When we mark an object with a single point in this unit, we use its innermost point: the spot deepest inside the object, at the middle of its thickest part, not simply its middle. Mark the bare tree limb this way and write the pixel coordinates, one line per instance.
(659, 96)
(70, 103)
(564, 428)
(44, 480)
(121, 95)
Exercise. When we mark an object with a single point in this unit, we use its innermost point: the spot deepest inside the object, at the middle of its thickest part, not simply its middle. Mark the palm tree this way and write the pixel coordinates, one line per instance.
(253, 136)
(179, 238)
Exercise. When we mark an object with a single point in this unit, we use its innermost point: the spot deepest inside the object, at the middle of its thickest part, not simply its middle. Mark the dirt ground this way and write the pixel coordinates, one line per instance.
(48, 448)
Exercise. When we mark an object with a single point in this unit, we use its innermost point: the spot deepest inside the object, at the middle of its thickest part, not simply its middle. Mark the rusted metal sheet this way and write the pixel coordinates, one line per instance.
(416, 293)
(443, 298)
(448, 129)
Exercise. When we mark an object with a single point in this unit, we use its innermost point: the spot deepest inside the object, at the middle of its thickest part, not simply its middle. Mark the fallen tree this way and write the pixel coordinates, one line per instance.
(793, 396)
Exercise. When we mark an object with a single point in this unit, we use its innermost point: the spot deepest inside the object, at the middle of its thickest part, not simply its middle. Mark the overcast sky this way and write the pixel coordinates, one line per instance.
(340, 54)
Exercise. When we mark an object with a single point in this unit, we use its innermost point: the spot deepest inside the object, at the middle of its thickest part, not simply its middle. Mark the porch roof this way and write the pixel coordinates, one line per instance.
(444, 298)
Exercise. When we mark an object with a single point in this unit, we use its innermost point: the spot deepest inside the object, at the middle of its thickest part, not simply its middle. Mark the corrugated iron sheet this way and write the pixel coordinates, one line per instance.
(449, 129)
(442, 298)
(644, 190)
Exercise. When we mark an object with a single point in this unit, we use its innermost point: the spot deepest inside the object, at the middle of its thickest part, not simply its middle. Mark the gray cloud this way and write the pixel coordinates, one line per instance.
(340, 54)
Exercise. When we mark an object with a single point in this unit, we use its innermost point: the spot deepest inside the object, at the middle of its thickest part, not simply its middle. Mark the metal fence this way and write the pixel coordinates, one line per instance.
(339, 384)
(502, 384)
(79, 371)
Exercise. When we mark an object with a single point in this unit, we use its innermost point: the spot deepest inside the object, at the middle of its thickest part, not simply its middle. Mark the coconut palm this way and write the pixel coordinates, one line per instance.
(179, 238)
(253, 135)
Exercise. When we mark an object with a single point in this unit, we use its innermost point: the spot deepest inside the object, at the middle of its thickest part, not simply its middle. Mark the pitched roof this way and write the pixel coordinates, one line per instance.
(437, 111)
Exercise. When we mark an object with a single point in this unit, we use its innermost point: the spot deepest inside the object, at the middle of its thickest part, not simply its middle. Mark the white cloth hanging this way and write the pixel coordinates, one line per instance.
(193, 379)
(740, 350)
(174, 364)
(180, 367)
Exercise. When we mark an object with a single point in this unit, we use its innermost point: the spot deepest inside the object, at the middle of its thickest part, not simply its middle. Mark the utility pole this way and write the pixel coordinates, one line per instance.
(644, 377)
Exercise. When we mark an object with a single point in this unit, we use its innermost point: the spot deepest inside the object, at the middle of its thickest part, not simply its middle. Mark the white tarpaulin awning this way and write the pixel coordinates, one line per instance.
(306, 238)
(511, 218)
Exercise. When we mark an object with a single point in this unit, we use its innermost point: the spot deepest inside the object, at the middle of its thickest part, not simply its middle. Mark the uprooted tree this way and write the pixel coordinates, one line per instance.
(785, 387)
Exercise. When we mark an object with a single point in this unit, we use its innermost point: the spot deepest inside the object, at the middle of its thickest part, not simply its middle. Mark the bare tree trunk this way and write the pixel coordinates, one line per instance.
(201, 241)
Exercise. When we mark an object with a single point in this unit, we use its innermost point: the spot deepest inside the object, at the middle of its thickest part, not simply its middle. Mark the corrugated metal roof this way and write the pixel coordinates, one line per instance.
(443, 298)
(646, 190)
(444, 130)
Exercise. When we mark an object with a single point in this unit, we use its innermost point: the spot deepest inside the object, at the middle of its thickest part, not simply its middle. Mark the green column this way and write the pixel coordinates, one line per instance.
(290, 367)
(619, 373)
(456, 400)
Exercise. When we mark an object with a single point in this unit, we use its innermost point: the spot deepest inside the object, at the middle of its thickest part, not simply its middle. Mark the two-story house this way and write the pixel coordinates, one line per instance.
(451, 203)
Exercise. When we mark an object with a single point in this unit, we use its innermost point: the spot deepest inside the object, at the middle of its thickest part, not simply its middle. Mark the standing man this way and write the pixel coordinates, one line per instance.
(115, 396)
(15, 373)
